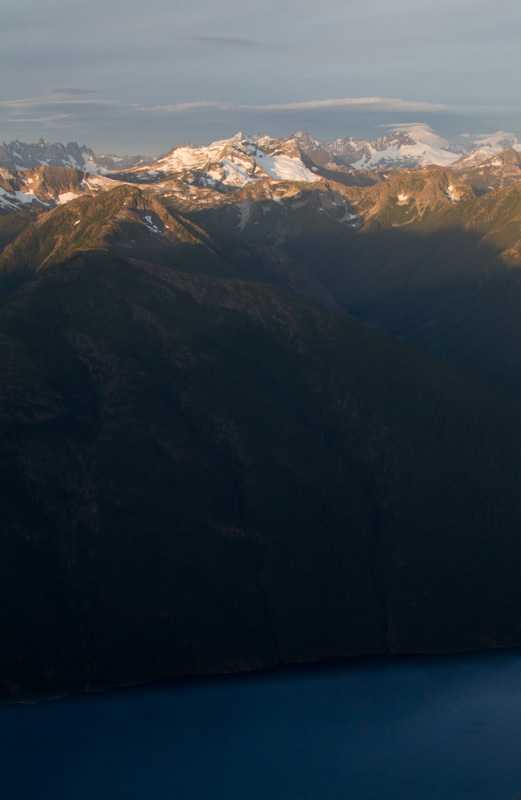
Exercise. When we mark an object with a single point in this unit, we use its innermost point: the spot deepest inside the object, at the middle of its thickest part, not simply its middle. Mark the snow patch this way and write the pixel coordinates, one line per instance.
(105, 183)
(286, 168)
(6, 202)
(235, 173)
(90, 166)
(150, 225)
(66, 197)
(12, 199)
(353, 220)
(452, 194)
(25, 197)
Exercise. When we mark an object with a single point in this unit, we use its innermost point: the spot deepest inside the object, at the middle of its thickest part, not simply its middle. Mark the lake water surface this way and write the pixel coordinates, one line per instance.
(419, 728)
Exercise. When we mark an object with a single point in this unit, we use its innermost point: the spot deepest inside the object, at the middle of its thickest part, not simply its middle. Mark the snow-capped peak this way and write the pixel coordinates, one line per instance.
(501, 140)
(481, 148)
(422, 134)
(234, 162)
(408, 145)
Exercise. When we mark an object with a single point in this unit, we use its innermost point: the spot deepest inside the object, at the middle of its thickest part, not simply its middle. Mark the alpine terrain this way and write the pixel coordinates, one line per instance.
(260, 405)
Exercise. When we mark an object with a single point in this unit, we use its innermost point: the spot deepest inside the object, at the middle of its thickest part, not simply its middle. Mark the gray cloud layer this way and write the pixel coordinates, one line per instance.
(230, 65)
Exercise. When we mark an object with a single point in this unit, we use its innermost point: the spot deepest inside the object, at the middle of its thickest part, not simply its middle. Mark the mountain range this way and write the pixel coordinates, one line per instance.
(411, 146)
(18, 155)
(488, 163)
(257, 409)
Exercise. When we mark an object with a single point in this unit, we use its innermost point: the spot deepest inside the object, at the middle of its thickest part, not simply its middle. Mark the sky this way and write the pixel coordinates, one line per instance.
(142, 77)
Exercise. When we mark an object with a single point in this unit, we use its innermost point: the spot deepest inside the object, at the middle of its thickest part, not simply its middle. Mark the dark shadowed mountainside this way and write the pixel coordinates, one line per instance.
(207, 468)
(418, 256)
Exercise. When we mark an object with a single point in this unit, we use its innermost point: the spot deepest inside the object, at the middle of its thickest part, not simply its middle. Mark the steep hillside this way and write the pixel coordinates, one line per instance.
(204, 472)
(131, 222)
(417, 255)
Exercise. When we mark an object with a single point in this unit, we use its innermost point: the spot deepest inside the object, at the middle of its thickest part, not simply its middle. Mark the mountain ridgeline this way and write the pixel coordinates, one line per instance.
(219, 451)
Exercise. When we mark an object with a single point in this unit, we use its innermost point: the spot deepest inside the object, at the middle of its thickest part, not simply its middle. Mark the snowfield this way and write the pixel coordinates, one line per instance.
(234, 162)
(420, 153)
(286, 168)
(66, 197)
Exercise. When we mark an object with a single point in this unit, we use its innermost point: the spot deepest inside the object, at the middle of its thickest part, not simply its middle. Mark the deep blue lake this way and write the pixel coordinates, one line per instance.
(418, 728)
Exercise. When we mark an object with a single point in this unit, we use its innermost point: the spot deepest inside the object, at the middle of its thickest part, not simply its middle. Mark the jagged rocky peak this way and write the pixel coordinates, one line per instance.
(19, 155)
(397, 139)
(304, 139)
(272, 146)
(510, 156)
(44, 187)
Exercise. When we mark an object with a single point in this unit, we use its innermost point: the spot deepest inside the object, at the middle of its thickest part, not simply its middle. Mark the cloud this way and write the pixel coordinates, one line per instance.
(180, 107)
(406, 126)
(485, 136)
(59, 108)
(47, 120)
(360, 103)
(53, 101)
(70, 100)
(380, 104)
(370, 103)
